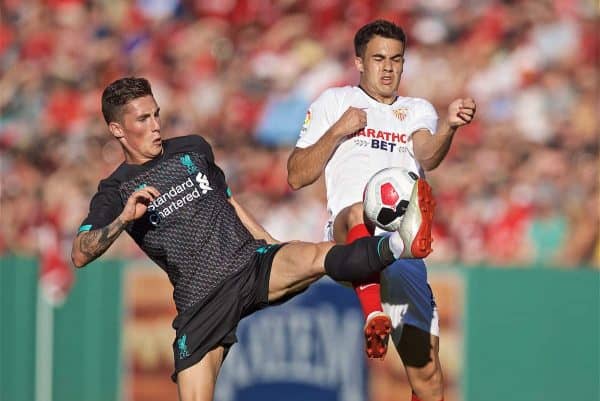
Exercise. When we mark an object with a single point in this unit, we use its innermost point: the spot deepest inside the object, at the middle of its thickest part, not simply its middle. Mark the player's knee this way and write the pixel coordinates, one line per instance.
(194, 392)
(429, 376)
(309, 258)
(355, 215)
(419, 353)
(427, 382)
(317, 258)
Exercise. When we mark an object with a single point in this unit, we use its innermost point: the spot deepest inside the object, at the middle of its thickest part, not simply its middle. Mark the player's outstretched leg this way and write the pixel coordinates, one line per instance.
(412, 240)
(297, 264)
(415, 229)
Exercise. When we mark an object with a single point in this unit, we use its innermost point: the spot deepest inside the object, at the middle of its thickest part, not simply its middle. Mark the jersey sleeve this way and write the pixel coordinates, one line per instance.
(425, 117)
(321, 115)
(221, 177)
(194, 143)
(105, 207)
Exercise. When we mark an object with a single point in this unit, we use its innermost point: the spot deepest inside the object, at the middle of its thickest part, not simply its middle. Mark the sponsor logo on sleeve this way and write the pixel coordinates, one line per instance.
(306, 123)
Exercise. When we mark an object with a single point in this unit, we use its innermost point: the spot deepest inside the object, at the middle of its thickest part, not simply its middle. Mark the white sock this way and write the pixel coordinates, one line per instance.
(396, 244)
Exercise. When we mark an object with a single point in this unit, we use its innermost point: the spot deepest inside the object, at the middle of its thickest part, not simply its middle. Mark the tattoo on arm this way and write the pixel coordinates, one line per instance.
(94, 243)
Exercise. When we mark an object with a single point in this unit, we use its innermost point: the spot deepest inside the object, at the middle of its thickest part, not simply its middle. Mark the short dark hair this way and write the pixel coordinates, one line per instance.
(119, 93)
(378, 27)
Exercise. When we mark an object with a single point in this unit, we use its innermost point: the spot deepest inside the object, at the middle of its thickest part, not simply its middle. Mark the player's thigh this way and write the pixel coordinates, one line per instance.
(295, 266)
(347, 218)
(420, 355)
(197, 383)
(419, 351)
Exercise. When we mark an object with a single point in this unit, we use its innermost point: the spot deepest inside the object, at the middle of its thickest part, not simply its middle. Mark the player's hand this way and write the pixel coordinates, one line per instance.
(138, 203)
(461, 112)
(352, 120)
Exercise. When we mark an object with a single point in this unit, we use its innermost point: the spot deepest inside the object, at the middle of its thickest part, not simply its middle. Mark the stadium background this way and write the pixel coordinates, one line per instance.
(516, 255)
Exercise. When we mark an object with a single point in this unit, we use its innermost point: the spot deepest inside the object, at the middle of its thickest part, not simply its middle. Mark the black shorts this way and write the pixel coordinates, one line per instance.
(213, 321)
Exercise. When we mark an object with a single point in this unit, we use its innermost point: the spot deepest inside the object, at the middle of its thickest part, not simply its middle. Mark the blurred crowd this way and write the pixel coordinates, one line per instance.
(520, 185)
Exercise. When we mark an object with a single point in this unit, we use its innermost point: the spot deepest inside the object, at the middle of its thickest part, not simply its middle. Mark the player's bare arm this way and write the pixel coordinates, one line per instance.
(251, 224)
(89, 245)
(306, 164)
(429, 149)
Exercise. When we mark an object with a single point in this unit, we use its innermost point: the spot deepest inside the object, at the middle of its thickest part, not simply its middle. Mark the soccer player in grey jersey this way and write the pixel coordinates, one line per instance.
(173, 200)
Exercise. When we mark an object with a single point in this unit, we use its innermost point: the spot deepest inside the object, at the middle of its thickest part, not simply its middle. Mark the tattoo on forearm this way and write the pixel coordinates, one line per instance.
(93, 243)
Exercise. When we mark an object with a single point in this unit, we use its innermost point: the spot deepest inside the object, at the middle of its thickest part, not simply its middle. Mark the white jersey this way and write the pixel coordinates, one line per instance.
(386, 141)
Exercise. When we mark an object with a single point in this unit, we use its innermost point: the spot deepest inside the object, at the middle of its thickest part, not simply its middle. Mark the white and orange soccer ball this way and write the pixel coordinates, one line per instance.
(387, 195)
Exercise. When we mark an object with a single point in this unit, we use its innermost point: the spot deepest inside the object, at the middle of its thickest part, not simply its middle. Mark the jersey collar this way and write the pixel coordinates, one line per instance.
(367, 93)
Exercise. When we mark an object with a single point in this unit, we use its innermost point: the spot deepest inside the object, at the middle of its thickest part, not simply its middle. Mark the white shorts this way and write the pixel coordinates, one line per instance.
(405, 295)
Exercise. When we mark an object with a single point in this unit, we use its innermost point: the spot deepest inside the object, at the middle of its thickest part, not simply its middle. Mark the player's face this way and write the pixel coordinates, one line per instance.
(381, 67)
(139, 129)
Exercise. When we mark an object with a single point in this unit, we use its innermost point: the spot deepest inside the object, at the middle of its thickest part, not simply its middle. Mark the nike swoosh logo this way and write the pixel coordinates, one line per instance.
(363, 287)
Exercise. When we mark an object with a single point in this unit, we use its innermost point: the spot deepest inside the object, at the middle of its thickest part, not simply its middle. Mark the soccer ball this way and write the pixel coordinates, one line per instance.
(386, 197)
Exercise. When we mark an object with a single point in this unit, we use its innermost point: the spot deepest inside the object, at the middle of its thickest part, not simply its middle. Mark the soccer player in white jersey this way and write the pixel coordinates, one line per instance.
(352, 132)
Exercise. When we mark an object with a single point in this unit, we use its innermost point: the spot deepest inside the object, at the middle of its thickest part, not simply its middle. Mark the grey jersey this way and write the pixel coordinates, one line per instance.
(191, 230)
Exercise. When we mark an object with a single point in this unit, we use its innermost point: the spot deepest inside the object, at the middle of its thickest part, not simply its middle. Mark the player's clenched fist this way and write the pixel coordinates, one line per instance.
(351, 121)
(138, 202)
(461, 112)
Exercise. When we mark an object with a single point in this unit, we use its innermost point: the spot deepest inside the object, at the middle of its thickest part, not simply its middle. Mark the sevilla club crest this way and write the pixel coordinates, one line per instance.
(401, 113)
